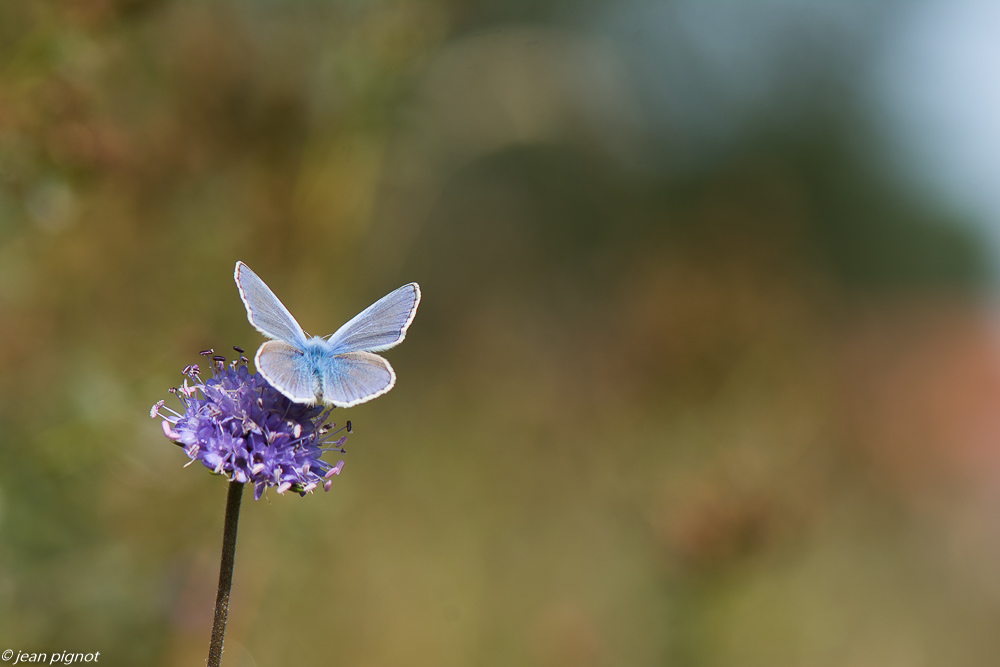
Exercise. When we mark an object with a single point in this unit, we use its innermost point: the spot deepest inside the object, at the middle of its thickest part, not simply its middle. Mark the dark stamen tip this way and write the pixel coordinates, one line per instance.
(239, 349)
(349, 426)
(207, 352)
(219, 358)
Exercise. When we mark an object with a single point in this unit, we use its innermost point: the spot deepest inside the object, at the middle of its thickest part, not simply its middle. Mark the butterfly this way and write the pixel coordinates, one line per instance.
(340, 369)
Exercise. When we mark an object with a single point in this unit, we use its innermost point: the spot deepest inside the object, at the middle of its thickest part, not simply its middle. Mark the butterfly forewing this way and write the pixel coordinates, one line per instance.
(288, 371)
(268, 315)
(355, 377)
(381, 325)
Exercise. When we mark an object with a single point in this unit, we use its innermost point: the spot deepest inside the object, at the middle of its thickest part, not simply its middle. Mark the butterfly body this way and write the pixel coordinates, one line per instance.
(315, 354)
(342, 369)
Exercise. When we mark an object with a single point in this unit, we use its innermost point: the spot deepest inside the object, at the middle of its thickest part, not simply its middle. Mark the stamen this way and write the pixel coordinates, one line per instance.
(239, 349)
(154, 411)
(176, 415)
(327, 430)
(207, 352)
(349, 426)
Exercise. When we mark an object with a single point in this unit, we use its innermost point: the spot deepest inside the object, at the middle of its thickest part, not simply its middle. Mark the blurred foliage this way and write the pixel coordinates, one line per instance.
(654, 410)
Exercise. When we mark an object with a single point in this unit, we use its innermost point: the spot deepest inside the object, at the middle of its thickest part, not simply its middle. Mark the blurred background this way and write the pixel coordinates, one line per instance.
(706, 372)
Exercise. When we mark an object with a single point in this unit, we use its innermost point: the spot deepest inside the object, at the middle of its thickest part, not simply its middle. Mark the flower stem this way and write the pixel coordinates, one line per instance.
(225, 572)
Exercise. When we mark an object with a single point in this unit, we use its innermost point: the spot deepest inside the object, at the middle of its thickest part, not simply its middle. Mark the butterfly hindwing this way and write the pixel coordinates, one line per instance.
(355, 377)
(288, 371)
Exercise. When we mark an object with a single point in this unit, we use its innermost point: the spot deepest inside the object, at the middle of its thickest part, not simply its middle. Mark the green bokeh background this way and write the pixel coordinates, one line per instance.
(671, 398)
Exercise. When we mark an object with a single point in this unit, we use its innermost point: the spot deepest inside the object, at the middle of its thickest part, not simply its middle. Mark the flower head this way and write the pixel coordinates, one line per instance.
(240, 426)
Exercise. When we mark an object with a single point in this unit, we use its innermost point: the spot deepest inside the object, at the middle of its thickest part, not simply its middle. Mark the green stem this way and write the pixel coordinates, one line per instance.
(225, 572)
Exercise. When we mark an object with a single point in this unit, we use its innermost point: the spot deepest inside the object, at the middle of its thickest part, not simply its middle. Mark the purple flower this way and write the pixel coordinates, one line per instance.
(240, 426)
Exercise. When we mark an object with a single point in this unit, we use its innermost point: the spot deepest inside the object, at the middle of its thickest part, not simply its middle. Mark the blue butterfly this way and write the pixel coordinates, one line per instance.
(340, 369)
